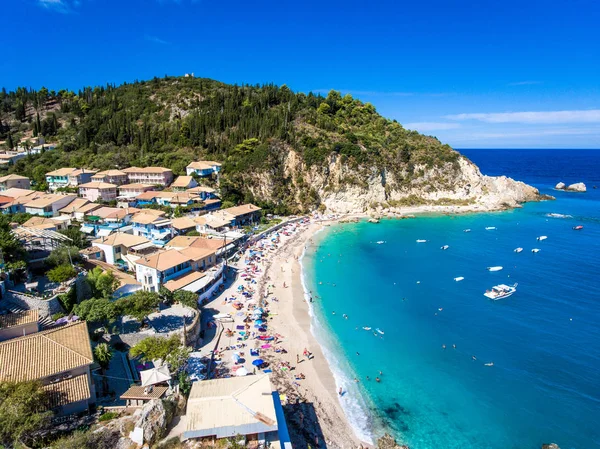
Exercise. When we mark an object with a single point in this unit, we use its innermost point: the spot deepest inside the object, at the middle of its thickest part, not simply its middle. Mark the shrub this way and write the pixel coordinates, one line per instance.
(107, 416)
(62, 273)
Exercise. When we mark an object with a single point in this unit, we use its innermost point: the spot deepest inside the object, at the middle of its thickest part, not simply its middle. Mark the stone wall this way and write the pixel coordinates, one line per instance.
(47, 307)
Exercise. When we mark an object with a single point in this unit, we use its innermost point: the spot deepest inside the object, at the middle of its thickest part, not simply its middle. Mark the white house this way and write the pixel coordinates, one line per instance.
(48, 205)
(203, 168)
(98, 191)
(118, 245)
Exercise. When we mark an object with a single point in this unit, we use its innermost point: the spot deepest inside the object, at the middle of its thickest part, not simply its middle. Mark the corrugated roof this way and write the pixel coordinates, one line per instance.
(68, 390)
(18, 318)
(229, 406)
(44, 354)
(137, 392)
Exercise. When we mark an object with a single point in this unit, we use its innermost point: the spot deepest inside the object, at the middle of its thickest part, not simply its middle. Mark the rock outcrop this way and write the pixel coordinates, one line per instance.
(388, 442)
(577, 187)
(153, 421)
(550, 446)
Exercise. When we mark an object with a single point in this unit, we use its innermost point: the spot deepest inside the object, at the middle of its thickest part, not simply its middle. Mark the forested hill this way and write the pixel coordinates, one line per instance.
(285, 150)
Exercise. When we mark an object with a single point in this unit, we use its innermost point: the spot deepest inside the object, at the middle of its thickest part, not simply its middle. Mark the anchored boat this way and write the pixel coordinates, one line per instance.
(494, 268)
(500, 291)
(518, 250)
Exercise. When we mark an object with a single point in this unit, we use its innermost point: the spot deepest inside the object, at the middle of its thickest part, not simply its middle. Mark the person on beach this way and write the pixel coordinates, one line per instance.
(340, 392)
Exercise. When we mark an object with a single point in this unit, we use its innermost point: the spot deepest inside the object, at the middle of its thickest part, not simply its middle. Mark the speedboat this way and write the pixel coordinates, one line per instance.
(367, 328)
(445, 247)
(518, 250)
(380, 242)
(500, 291)
(490, 228)
(467, 230)
(542, 237)
(489, 364)
(421, 241)
(535, 250)
(498, 268)
(458, 279)
(577, 228)
(380, 331)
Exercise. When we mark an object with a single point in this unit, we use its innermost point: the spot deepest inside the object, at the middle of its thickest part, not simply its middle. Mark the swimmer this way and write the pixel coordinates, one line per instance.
(443, 346)
(454, 346)
(378, 379)
(357, 353)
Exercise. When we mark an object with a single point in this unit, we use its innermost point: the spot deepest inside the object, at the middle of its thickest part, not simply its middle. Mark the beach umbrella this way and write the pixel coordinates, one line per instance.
(259, 321)
(258, 362)
(241, 372)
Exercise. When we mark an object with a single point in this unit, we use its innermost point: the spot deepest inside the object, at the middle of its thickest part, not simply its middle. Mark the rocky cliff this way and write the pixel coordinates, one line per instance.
(339, 187)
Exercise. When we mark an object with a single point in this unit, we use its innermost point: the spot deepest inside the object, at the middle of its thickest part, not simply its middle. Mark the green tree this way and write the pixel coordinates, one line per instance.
(62, 273)
(23, 410)
(77, 238)
(101, 311)
(165, 295)
(185, 298)
(103, 355)
(138, 305)
(153, 348)
(63, 255)
(103, 283)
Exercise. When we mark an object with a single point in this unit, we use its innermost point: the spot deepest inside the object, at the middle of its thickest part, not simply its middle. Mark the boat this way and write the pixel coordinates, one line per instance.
(500, 291)
(498, 268)
(518, 250)
(380, 242)
(467, 230)
(458, 279)
(577, 228)
(490, 228)
(445, 247)
(542, 237)
(380, 331)
(421, 241)
(535, 250)
(489, 364)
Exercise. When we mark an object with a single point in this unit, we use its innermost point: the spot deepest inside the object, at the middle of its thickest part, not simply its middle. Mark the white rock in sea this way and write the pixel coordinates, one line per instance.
(560, 186)
(578, 187)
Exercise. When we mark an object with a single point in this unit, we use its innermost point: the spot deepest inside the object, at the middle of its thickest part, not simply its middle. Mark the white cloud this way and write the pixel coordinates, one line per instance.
(155, 39)
(61, 6)
(524, 83)
(547, 117)
(430, 126)
(523, 134)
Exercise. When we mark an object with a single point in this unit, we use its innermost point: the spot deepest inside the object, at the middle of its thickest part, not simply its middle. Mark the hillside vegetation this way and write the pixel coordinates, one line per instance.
(283, 150)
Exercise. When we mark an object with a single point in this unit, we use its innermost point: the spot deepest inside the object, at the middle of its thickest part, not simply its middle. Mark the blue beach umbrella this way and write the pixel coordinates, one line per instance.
(258, 362)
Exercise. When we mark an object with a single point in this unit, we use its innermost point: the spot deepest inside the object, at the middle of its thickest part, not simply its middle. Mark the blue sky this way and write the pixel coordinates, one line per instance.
(476, 74)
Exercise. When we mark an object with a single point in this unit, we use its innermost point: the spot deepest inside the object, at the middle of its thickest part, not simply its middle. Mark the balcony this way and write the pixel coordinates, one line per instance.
(169, 274)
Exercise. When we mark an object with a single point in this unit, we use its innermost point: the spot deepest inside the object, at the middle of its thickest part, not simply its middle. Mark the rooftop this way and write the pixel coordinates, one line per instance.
(231, 406)
(136, 186)
(164, 260)
(37, 221)
(47, 200)
(69, 171)
(120, 238)
(98, 185)
(19, 318)
(12, 177)
(137, 392)
(17, 193)
(74, 205)
(204, 165)
(242, 210)
(111, 173)
(70, 389)
(147, 170)
(45, 354)
(182, 181)
(182, 241)
(182, 281)
(144, 218)
(183, 223)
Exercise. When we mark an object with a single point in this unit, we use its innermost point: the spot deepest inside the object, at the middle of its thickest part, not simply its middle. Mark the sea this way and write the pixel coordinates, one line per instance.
(432, 339)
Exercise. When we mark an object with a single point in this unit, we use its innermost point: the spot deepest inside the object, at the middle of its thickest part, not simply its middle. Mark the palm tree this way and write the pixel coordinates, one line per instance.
(103, 355)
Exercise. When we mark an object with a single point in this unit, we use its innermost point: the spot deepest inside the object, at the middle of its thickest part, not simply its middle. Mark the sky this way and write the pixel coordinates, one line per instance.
(474, 73)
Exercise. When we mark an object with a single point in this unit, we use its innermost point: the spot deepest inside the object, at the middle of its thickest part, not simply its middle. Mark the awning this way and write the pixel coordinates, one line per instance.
(142, 246)
(87, 229)
(104, 232)
(93, 218)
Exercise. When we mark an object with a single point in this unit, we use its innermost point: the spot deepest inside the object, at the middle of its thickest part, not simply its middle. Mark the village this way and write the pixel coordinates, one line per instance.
(138, 290)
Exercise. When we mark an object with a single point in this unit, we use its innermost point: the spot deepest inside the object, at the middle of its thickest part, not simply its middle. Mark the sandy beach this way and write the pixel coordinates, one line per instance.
(306, 385)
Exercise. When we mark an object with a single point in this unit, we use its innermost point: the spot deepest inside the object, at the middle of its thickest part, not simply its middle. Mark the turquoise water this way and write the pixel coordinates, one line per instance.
(543, 341)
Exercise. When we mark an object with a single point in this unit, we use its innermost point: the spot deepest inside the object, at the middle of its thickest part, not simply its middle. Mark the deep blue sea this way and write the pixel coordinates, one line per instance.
(544, 341)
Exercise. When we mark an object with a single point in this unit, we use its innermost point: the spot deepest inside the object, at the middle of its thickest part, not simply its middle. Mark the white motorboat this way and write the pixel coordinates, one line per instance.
(535, 250)
(500, 291)
(490, 228)
(498, 268)
(421, 241)
(380, 331)
(467, 230)
(542, 237)
(380, 242)
(367, 328)
(445, 247)
(518, 250)
(458, 279)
